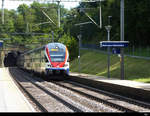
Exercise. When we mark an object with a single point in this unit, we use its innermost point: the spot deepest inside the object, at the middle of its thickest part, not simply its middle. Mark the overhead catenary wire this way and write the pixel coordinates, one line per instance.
(48, 17)
(60, 0)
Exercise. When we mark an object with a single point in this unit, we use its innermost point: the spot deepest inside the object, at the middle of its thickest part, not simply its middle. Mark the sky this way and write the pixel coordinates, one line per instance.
(13, 4)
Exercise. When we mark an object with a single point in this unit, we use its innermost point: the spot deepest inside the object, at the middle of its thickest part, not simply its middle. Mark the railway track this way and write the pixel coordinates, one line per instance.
(68, 96)
(120, 102)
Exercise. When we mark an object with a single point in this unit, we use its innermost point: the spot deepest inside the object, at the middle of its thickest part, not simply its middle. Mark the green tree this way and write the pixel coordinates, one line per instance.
(71, 44)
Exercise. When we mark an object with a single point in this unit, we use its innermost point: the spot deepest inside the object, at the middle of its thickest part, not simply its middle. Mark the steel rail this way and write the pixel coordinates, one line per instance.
(96, 98)
(130, 100)
(74, 108)
(40, 106)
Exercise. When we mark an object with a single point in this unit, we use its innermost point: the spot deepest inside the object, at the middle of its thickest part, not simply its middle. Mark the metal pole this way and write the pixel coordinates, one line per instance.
(79, 37)
(80, 46)
(108, 28)
(52, 36)
(100, 16)
(27, 27)
(122, 38)
(58, 14)
(108, 50)
(2, 11)
(79, 54)
(109, 18)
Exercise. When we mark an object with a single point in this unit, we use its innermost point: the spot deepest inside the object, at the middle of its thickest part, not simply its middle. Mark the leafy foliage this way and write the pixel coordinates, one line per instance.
(31, 19)
(137, 19)
(71, 44)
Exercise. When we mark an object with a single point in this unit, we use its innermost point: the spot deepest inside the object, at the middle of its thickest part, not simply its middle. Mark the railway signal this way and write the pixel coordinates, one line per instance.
(79, 37)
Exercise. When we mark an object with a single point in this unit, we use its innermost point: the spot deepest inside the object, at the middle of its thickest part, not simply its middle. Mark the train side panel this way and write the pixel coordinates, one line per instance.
(38, 61)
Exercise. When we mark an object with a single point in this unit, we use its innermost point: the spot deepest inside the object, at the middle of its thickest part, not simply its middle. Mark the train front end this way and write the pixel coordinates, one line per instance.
(58, 59)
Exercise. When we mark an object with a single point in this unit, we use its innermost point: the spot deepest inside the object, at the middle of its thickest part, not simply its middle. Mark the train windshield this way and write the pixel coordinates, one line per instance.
(57, 56)
(57, 52)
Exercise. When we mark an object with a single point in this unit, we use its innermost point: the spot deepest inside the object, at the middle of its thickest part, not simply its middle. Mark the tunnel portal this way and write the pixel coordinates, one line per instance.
(10, 59)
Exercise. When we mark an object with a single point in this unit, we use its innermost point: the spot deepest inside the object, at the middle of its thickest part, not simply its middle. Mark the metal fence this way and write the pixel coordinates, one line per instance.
(131, 51)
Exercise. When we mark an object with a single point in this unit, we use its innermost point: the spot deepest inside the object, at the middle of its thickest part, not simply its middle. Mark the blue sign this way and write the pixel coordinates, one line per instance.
(1, 43)
(114, 44)
(116, 50)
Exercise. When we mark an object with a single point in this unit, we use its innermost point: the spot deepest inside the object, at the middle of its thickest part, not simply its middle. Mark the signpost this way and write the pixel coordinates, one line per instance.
(116, 45)
(1, 45)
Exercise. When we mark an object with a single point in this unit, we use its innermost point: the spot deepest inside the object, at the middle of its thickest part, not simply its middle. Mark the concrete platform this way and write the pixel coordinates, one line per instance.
(132, 89)
(11, 98)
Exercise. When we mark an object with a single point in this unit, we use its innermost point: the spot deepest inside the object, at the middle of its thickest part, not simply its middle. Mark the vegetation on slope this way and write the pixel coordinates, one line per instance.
(93, 62)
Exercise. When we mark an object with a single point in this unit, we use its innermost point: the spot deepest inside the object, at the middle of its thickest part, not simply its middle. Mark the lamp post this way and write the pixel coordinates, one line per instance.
(2, 11)
(52, 36)
(108, 28)
(122, 37)
(58, 13)
(79, 37)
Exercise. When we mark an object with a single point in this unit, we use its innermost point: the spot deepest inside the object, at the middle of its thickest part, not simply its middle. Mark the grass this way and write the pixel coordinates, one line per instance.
(92, 62)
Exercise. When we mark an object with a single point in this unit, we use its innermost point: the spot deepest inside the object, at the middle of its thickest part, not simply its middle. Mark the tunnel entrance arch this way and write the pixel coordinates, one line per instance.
(10, 59)
(8, 55)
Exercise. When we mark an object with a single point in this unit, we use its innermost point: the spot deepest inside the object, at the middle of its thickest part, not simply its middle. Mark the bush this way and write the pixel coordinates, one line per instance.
(71, 44)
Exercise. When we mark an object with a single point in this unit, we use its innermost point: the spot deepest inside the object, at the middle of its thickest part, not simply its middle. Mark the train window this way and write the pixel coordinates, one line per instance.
(57, 52)
(57, 56)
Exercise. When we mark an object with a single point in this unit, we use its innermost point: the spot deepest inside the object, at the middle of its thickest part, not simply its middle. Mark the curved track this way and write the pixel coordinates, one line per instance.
(67, 96)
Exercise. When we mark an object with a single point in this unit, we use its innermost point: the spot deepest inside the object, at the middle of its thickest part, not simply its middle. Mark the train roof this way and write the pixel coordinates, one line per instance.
(56, 44)
(36, 49)
(49, 44)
